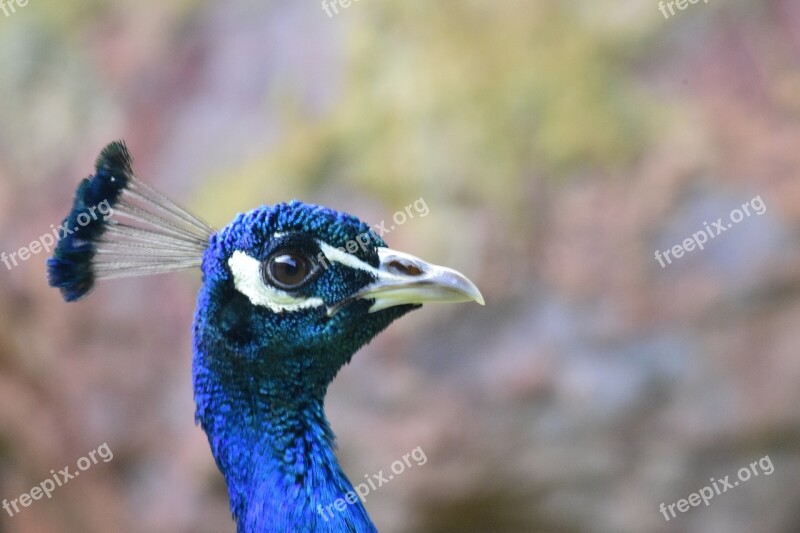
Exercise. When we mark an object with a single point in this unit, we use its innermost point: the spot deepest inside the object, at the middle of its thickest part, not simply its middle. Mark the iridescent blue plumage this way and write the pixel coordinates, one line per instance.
(290, 292)
(260, 377)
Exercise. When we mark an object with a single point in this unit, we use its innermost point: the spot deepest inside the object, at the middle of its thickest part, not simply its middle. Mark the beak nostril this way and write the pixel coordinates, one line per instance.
(404, 267)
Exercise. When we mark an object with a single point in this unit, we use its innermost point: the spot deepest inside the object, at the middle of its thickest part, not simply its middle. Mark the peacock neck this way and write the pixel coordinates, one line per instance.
(273, 444)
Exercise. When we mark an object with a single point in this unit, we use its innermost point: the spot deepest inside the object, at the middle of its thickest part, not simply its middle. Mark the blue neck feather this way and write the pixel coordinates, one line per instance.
(277, 457)
(274, 446)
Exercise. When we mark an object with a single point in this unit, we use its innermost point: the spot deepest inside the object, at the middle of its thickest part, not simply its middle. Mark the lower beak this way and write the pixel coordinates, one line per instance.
(406, 279)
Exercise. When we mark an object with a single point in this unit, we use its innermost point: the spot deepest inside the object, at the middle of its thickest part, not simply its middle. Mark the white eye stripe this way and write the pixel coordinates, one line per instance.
(346, 259)
(246, 273)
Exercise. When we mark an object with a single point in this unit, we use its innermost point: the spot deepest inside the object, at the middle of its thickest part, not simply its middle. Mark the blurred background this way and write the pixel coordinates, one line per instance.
(557, 145)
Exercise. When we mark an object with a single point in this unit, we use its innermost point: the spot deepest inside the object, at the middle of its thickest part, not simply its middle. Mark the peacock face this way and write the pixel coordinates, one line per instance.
(294, 279)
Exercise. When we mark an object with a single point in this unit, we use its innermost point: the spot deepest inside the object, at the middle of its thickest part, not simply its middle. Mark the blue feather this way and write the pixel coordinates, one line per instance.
(154, 234)
(70, 267)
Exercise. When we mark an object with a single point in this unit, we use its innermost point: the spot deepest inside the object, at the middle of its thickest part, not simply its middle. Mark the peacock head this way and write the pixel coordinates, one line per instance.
(304, 284)
(295, 280)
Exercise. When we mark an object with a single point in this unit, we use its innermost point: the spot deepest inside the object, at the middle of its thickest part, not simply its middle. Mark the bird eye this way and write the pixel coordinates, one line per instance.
(287, 270)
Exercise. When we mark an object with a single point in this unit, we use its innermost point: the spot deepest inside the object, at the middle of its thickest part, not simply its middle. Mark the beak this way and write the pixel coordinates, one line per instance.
(406, 279)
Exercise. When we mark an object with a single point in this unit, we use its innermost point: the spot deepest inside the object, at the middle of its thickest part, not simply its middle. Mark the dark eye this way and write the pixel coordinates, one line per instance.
(287, 270)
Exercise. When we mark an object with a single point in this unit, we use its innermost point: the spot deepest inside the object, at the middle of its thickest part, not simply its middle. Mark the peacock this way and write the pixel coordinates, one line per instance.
(289, 293)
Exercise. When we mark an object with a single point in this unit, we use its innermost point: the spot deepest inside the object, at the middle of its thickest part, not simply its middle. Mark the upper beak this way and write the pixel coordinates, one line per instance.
(406, 279)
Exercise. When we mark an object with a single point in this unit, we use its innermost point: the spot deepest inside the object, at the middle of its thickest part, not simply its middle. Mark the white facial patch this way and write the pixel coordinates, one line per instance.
(346, 259)
(247, 279)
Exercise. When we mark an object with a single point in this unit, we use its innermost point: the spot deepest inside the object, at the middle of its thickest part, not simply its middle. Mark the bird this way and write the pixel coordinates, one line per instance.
(285, 302)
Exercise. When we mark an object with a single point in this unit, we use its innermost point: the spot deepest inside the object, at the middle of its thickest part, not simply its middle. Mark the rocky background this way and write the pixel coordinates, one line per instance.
(558, 145)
